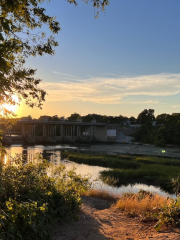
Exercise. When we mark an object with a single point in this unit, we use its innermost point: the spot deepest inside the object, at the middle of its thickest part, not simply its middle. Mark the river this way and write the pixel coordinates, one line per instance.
(53, 154)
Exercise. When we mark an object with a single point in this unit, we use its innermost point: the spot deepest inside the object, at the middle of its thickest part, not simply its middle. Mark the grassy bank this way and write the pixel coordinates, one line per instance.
(151, 207)
(133, 169)
(145, 206)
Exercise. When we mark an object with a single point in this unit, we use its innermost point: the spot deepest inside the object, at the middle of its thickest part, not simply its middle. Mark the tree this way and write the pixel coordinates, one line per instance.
(18, 20)
(74, 117)
(147, 115)
(162, 118)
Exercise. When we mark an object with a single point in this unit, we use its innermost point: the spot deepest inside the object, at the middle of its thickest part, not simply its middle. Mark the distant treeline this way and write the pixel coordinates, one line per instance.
(160, 130)
(90, 117)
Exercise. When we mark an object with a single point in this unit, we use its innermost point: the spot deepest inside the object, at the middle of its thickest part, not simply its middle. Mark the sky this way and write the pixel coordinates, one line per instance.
(125, 61)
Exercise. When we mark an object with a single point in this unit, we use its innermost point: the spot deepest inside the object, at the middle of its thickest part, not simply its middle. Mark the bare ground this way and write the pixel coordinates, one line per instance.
(98, 220)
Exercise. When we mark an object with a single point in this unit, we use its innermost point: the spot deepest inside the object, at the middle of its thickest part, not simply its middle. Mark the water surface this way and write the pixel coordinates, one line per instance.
(53, 154)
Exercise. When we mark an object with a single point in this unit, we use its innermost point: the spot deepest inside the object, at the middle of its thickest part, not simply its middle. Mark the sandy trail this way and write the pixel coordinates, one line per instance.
(98, 220)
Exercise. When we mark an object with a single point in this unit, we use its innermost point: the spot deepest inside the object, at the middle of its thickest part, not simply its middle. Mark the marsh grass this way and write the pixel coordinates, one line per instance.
(158, 160)
(100, 193)
(127, 169)
(104, 160)
(142, 204)
(158, 175)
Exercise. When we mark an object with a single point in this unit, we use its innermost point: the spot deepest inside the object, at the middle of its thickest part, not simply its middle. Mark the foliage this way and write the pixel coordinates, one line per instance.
(18, 41)
(98, 4)
(32, 195)
(168, 214)
(165, 131)
(147, 115)
(74, 117)
(20, 37)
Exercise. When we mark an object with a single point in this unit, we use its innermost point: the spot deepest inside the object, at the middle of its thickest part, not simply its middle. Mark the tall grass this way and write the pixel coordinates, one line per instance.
(133, 169)
(158, 160)
(158, 175)
(100, 193)
(104, 161)
(143, 206)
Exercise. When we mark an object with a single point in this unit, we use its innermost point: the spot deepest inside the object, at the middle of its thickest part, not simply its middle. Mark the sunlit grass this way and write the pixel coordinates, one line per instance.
(141, 204)
(100, 193)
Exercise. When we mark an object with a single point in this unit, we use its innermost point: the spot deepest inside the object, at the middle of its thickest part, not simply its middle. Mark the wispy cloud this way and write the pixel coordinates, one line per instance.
(176, 106)
(66, 76)
(112, 90)
(145, 102)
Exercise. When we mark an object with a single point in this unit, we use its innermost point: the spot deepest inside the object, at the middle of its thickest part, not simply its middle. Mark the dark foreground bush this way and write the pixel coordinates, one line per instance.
(34, 195)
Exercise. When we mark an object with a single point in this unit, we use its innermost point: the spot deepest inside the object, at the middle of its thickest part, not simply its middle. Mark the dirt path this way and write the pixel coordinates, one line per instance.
(100, 221)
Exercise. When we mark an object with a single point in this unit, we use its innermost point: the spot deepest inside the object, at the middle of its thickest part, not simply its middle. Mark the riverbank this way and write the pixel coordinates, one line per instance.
(161, 172)
(99, 220)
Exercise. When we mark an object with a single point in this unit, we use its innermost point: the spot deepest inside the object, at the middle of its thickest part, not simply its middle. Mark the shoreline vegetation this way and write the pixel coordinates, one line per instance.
(145, 206)
(129, 169)
(36, 195)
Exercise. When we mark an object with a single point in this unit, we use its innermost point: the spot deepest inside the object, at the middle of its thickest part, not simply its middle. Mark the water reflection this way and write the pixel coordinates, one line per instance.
(53, 154)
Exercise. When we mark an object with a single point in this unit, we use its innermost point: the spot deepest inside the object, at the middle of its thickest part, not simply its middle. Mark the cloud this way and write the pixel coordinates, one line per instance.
(176, 106)
(66, 76)
(145, 102)
(112, 90)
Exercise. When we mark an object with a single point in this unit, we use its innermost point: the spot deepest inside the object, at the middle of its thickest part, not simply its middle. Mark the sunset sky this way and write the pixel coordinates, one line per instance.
(123, 62)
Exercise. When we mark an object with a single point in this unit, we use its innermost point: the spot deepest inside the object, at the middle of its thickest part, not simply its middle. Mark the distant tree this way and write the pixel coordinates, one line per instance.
(162, 118)
(132, 119)
(161, 136)
(55, 118)
(45, 117)
(74, 117)
(147, 115)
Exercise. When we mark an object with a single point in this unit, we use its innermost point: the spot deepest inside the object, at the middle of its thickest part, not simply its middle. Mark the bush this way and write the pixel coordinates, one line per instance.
(35, 194)
(168, 214)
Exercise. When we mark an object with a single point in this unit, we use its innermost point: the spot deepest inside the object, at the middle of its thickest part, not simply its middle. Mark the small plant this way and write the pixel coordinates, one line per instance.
(176, 185)
(169, 213)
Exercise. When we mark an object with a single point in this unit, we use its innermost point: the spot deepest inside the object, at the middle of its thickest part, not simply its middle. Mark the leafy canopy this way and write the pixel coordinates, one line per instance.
(19, 19)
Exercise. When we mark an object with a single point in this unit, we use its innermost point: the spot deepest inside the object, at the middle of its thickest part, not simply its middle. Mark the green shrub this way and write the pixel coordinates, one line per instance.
(168, 214)
(35, 194)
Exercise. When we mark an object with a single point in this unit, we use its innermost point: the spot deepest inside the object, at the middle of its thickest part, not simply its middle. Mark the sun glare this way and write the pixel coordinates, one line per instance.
(11, 107)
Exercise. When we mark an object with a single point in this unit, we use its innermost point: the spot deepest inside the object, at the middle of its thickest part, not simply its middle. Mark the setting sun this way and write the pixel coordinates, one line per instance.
(11, 107)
